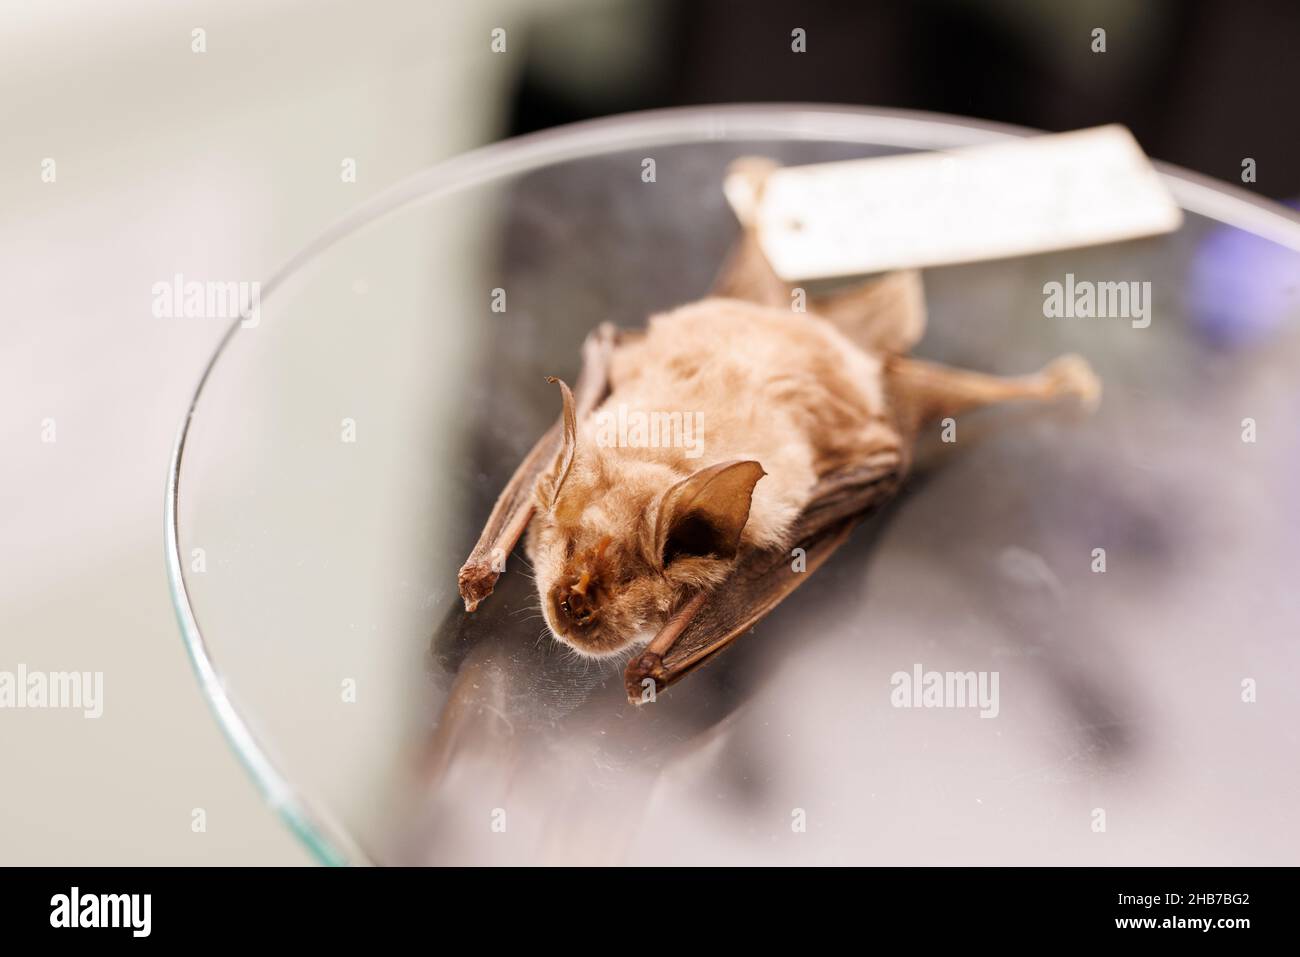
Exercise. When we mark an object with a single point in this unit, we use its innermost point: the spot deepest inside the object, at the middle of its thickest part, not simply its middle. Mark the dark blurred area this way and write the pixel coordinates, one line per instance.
(1201, 83)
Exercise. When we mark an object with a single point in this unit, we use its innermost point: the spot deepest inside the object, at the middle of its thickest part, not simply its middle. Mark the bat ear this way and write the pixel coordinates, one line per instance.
(705, 513)
(568, 445)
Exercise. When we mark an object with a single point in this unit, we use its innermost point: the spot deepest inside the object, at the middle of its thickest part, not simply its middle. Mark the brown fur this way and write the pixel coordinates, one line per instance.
(787, 391)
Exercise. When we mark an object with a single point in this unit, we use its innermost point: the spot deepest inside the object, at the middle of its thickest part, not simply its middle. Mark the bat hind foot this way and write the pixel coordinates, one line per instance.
(1071, 375)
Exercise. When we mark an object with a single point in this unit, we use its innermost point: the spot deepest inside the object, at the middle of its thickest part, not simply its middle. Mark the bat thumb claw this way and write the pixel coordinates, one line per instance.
(647, 667)
(476, 581)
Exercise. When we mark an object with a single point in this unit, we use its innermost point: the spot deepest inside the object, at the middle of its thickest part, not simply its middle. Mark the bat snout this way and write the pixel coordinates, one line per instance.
(577, 603)
(578, 608)
(579, 619)
(574, 605)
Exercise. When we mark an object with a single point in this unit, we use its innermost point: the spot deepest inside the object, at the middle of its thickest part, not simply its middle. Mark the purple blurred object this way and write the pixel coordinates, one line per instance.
(1241, 287)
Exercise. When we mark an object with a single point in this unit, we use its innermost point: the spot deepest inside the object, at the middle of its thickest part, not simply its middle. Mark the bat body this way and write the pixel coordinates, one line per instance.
(718, 424)
(702, 469)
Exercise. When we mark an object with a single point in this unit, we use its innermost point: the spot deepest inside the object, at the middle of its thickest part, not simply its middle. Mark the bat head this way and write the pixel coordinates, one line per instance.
(618, 542)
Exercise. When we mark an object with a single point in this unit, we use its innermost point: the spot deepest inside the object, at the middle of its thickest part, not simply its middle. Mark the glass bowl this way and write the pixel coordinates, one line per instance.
(339, 458)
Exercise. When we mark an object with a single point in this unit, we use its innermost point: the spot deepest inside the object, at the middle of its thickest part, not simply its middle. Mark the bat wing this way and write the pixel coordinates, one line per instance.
(763, 579)
(514, 508)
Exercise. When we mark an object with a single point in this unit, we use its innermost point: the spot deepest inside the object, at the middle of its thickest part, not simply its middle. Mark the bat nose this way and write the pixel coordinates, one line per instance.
(580, 609)
(575, 608)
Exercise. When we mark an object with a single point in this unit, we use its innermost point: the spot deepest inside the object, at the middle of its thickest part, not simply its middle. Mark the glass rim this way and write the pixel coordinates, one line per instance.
(324, 837)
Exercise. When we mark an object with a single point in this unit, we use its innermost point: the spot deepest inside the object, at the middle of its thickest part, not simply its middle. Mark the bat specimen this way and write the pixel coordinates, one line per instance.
(669, 550)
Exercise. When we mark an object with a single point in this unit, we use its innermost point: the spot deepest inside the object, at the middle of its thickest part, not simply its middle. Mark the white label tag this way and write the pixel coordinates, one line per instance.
(984, 202)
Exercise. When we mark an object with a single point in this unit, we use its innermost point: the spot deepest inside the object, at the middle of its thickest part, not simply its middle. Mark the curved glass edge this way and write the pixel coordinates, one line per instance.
(905, 129)
(329, 844)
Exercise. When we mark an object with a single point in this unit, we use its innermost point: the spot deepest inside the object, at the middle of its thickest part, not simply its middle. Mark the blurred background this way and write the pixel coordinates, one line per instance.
(207, 139)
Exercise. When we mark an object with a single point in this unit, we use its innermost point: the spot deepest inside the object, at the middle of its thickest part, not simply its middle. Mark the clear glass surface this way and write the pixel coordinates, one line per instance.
(388, 726)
